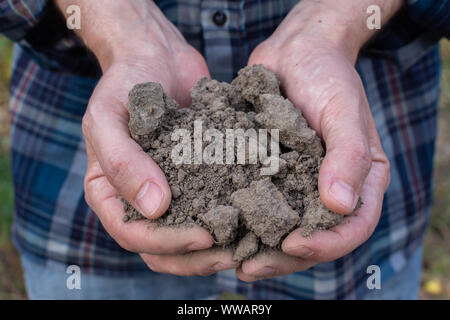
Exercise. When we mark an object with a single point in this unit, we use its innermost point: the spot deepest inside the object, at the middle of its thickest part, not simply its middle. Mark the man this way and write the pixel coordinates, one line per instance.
(331, 64)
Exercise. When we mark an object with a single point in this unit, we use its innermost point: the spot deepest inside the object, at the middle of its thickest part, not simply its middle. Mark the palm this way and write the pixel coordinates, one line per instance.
(110, 173)
(323, 83)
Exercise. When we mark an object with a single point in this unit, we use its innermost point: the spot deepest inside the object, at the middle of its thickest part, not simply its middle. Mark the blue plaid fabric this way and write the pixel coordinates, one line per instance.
(53, 78)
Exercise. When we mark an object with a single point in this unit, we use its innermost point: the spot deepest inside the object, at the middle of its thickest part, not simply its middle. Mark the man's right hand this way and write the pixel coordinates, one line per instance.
(135, 43)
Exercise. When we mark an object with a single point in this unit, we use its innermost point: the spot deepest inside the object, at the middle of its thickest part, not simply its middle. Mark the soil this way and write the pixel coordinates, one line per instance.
(240, 207)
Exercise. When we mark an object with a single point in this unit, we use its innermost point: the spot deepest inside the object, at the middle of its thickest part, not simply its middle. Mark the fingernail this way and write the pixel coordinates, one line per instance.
(265, 272)
(149, 199)
(300, 251)
(344, 194)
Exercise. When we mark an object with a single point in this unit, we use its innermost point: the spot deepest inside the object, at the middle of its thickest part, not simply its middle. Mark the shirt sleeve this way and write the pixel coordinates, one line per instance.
(18, 17)
(431, 14)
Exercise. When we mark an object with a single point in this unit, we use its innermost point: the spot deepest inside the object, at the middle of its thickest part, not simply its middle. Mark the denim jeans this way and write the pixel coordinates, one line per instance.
(50, 282)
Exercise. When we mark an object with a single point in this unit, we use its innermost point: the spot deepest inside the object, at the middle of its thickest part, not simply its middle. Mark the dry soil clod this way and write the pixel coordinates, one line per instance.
(239, 207)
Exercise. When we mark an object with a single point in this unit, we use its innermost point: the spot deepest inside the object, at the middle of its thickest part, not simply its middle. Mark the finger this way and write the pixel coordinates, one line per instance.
(271, 264)
(328, 245)
(189, 75)
(344, 126)
(128, 168)
(201, 263)
(138, 236)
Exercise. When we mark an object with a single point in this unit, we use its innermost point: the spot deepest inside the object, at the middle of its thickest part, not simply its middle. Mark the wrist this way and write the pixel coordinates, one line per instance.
(339, 24)
(115, 30)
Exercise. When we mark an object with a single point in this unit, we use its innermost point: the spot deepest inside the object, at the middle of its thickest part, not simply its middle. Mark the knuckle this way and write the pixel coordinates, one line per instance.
(124, 244)
(253, 274)
(209, 270)
(197, 56)
(184, 273)
(162, 264)
(176, 269)
(247, 279)
(87, 193)
(86, 124)
(153, 265)
(117, 167)
(88, 189)
(259, 56)
(188, 267)
(168, 249)
(360, 154)
(367, 231)
(387, 169)
(367, 228)
(384, 165)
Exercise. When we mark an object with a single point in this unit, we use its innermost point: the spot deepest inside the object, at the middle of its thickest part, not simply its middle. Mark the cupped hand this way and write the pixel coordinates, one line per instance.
(118, 167)
(319, 77)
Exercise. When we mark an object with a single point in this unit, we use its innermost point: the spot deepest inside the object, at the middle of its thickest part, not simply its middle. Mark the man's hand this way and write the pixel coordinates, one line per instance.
(135, 43)
(313, 53)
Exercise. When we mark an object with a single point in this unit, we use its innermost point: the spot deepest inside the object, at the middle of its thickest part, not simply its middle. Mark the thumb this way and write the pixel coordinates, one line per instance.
(127, 167)
(348, 157)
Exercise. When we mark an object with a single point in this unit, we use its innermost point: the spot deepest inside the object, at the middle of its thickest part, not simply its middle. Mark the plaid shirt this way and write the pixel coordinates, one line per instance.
(53, 77)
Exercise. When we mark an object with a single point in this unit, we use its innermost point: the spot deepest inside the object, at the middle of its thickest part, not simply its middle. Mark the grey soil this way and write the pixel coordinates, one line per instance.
(241, 208)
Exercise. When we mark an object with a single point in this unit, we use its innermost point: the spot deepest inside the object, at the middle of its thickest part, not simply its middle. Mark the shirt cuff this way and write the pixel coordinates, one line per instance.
(18, 17)
(431, 14)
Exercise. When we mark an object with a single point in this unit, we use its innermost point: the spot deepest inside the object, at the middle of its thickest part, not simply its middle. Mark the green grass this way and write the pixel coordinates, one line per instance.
(5, 59)
(437, 240)
(6, 197)
(11, 279)
(6, 190)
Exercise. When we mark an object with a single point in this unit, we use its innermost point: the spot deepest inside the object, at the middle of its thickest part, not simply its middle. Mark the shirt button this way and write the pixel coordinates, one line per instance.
(219, 18)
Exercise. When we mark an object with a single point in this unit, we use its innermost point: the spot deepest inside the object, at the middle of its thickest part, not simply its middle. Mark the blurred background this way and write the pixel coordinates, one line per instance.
(436, 272)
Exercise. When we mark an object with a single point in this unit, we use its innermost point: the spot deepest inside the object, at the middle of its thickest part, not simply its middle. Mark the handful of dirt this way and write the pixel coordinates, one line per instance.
(241, 205)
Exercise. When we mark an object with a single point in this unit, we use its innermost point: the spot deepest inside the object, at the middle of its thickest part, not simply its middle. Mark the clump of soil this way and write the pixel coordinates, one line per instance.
(240, 207)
